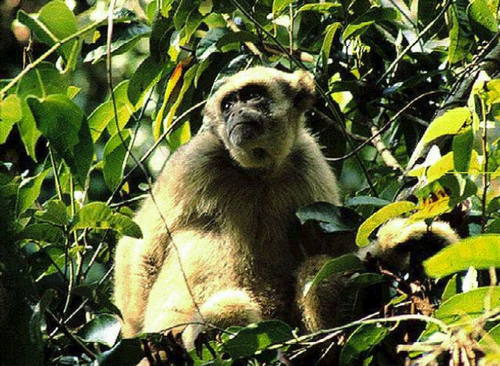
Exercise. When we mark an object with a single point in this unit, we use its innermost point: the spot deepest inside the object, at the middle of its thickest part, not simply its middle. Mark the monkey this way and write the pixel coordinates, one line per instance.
(218, 242)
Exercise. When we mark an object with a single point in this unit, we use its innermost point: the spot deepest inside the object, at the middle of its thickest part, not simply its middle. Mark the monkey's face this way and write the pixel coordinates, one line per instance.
(257, 113)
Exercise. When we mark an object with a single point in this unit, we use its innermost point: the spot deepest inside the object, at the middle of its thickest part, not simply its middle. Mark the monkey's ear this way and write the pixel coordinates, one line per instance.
(305, 91)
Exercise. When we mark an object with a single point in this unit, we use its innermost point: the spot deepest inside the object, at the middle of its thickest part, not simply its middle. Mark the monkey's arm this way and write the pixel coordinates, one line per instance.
(400, 244)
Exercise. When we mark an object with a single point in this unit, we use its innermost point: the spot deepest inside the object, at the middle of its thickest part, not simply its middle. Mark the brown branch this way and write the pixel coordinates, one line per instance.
(384, 152)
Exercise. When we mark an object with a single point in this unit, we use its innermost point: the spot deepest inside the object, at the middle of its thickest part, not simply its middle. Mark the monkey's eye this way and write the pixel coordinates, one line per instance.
(226, 105)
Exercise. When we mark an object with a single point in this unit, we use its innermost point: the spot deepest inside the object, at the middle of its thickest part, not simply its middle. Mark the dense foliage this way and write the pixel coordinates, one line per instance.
(407, 111)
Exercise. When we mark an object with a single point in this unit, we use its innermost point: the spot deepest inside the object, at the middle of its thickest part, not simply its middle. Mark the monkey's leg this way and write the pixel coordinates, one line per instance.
(137, 263)
(318, 306)
(222, 309)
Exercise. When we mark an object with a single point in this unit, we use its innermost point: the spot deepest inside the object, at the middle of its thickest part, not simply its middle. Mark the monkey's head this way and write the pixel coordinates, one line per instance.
(258, 113)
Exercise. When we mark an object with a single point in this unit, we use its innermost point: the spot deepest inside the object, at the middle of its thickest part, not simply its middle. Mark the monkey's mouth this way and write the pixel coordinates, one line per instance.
(244, 132)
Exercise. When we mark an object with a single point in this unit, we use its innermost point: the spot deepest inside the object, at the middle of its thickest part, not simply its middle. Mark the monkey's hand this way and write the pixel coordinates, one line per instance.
(404, 245)
(221, 310)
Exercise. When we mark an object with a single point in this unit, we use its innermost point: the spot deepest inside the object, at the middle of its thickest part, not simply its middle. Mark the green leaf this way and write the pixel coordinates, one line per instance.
(104, 115)
(114, 154)
(127, 352)
(29, 190)
(330, 32)
(366, 201)
(461, 38)
(344, 263)
(372, 16)
(480, 252)
(63, 123)
(321, 8)
(124, 38)
(179, 136)
(462, 150)
(165, 6)
(449, 123)
(10, 113)
(183, 11)
(43, 80)
(331, 218)
(279, 6)
(462, 308)
(145, 77)
(378, 218)
(55, 212)
(362, 340)
(97, 215)
(493, 227)
(103, 329)
(483, 20)
(208, 44)
(43, 232)
(450, 289)
(55, 22)
(491, 338)
(257, 337)
(235, 37)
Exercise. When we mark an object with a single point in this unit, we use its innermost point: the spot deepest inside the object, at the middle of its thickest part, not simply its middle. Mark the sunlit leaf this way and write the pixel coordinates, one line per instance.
(460, 32)
(320, 7)
(55, 212)
(480, 252)
(10, 113)
(462, 150)
(97, 215)
(449, 123)
(114, 154)
(104, 115)
(330, 32)
(257, 337)
(483, 20)
(29, 190)
(378, 218)
(363, 339)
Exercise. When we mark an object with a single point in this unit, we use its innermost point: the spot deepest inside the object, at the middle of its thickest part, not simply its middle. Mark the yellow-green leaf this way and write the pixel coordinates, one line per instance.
(378, 218)
(480, 252)
(449, 123)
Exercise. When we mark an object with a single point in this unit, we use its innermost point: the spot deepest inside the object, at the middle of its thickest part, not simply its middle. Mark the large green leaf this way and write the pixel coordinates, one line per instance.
(43, 232)
(103, 329)
(449, 123)
(114, 154)
(145, 77)
(97, 215)
(257, 337)
(378, 218)
(461, 38)
(462, 150)
(63, 123)
(480, 252)
(462, 308)
(45, 79)
(55, 212)
(362, 340)
(104, 115)
(55, 22)
(483, 20)
(10, 113)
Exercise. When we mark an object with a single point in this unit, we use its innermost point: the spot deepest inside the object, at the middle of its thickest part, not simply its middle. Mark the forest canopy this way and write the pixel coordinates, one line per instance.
(96, 95)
